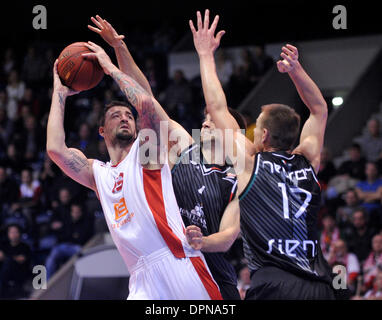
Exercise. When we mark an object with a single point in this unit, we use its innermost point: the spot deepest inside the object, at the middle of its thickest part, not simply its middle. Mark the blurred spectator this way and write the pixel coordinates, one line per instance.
(85, 141)
(8, 63)
(32, 66)
(330, 233)
(101, 152)
(244, 281)
(3, 99)
(327, 169)
(373, 262)
(358, 238)
(178, 98)
(48, 175)
(339, 255)
(33, 103)
(224, 67)
(94, 116)
(371, 142)
(75, 233)
(375, 293)
(6, 130)
(355, 166)
(344, 213)
(30, 194)
(155, 77)
(250, 67)
(9, 192)
(369, 191)
(239, 86)
(13, 159)
(32, 137)
(15, 92)
(15, 258)
(264, 62)
(61, 213)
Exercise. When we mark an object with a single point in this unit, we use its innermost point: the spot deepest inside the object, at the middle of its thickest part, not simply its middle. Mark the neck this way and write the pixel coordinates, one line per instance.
(211, 154)
(270, 149)
(117, 152)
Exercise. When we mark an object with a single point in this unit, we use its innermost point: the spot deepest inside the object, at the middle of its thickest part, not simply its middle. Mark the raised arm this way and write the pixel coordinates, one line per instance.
(151, 113)
(72, 161)
(220, 241)
(313, 131)
(205, 44)
(125, 60)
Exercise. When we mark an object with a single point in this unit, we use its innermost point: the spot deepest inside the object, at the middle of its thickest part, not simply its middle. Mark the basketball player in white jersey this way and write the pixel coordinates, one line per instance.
(137, 199)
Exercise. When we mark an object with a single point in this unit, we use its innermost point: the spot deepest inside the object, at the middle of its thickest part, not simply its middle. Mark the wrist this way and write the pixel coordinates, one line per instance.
(61, 93)
(110, 68)
(296, 69)
(119, 44)
(207, 54)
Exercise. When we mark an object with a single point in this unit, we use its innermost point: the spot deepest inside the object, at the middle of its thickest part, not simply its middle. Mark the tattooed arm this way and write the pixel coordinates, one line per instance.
(72, 161)
(150, 112)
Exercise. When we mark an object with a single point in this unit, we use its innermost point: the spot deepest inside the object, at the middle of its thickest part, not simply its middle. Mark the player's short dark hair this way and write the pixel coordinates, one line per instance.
(118, 103)
(283, 124)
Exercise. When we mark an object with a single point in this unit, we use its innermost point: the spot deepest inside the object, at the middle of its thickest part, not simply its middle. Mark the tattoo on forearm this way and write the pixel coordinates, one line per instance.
(135, 94)
(75, 162)
(61, 99)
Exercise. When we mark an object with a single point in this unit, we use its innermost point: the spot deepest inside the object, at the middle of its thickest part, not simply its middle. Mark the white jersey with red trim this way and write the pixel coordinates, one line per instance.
(140, 208)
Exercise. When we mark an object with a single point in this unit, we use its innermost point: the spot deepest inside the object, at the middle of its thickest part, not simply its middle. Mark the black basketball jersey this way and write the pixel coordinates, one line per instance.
(203, 191)
(278, 216)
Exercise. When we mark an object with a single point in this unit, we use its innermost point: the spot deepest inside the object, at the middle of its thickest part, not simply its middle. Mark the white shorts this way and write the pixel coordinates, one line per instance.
(161, 276)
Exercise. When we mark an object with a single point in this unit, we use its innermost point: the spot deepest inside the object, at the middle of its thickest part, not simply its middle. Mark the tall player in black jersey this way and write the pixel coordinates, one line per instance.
(205, 189)
(279, 194)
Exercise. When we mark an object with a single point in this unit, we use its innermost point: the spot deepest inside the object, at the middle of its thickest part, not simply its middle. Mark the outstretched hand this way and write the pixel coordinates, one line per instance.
(106, 31)
(290, 59)
(57, 84)
(194, 237)
(99, 54)
(204, 39)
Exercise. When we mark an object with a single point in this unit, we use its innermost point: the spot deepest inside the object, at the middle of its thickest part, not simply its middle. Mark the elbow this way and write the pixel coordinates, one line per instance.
(53, 151)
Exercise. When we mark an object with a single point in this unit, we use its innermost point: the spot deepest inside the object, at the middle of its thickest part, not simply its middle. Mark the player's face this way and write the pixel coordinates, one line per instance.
(119, 124)
(208, 129)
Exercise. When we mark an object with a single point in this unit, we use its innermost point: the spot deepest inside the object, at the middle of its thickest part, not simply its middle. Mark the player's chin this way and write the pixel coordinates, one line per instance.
(124, 135)
(206, 138)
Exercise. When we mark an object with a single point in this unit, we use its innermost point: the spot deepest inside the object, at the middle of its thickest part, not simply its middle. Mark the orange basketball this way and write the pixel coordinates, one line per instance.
(75, 71)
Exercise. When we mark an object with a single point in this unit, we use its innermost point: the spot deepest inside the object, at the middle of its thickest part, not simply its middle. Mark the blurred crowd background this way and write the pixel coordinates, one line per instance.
(45, 217)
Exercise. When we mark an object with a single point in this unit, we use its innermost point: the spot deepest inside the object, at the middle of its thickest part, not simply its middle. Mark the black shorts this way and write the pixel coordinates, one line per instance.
(271, 283)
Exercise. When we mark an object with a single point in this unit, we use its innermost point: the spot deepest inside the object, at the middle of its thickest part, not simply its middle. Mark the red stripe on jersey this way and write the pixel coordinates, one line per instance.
(205, 276)
(152, 185)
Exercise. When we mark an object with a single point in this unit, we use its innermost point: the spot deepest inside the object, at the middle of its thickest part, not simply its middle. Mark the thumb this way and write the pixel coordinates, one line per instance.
(55, 72)
(219, 35)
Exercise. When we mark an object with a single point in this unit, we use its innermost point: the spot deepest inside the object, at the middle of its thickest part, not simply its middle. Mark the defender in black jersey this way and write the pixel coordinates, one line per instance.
(204, 193)
(278, 191)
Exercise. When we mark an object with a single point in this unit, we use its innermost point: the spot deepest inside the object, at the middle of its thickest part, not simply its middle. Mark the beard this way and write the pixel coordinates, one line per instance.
(123, 138)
